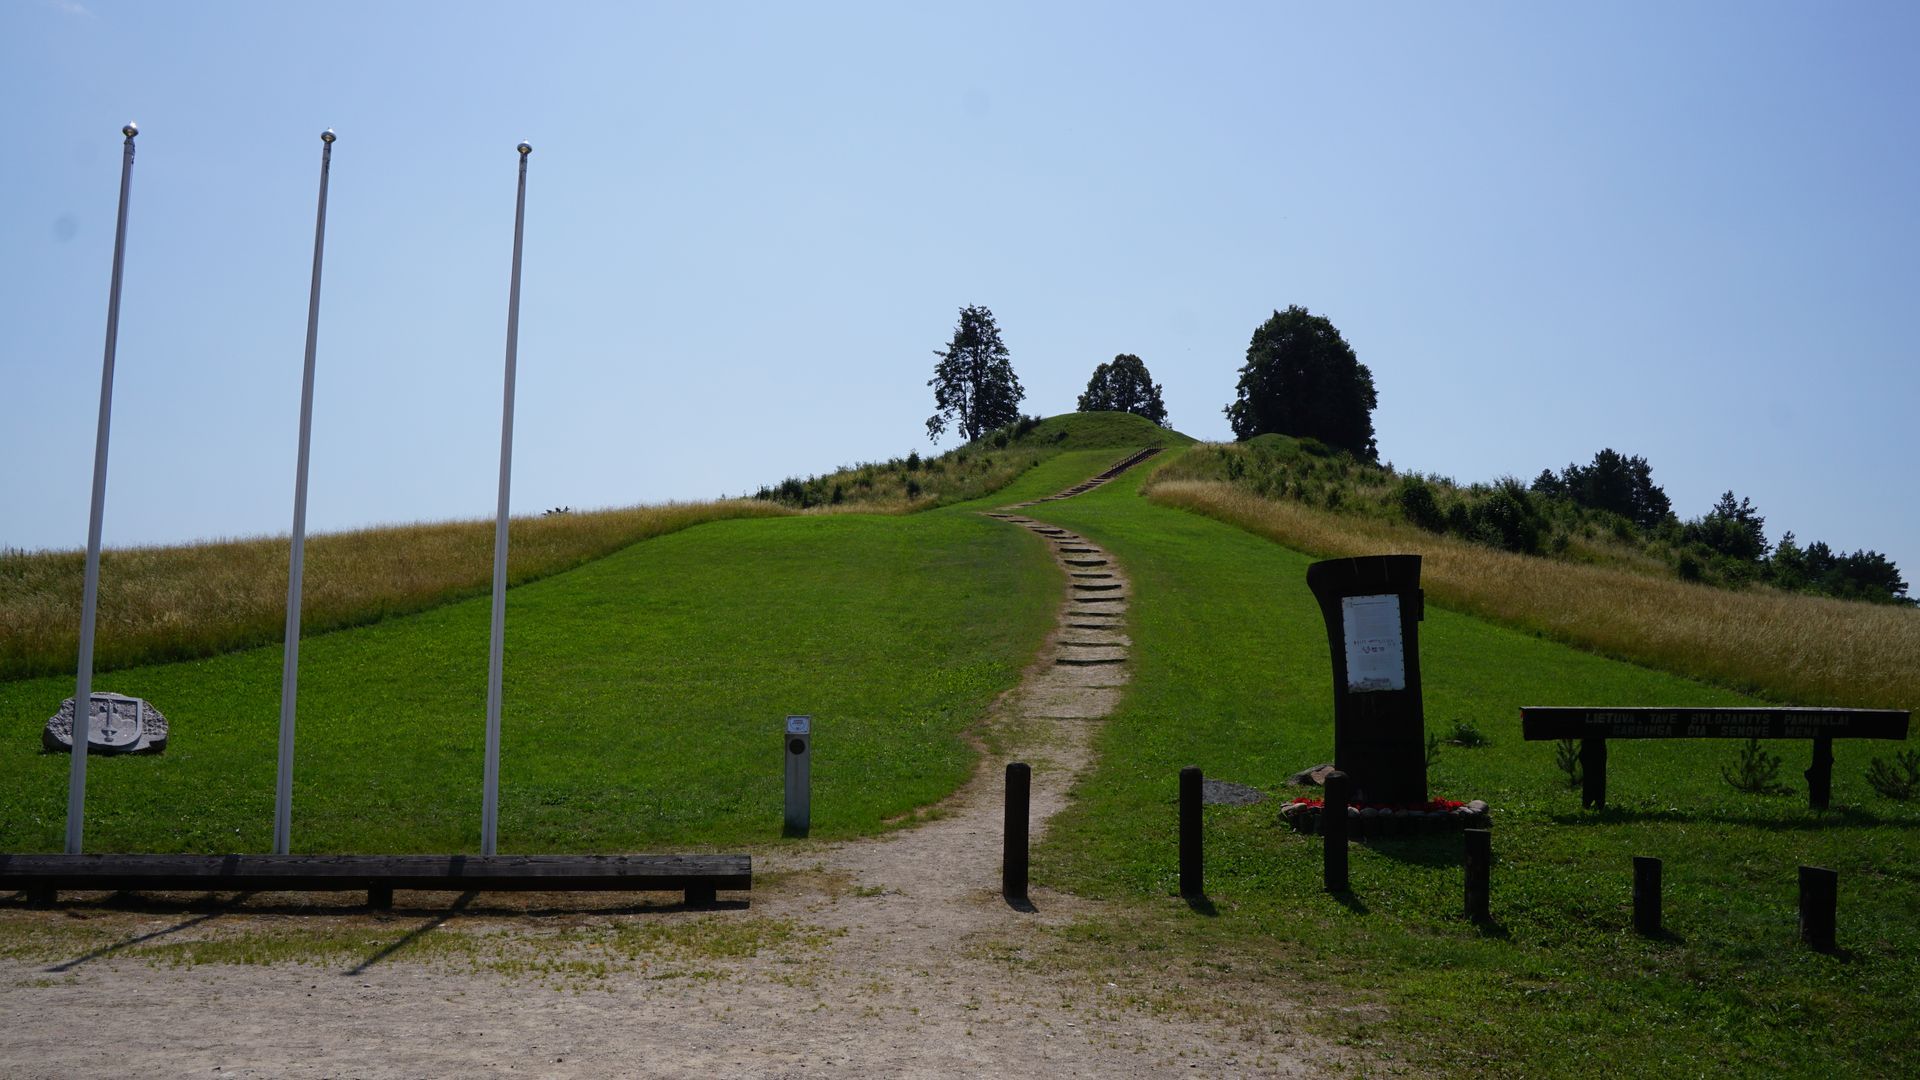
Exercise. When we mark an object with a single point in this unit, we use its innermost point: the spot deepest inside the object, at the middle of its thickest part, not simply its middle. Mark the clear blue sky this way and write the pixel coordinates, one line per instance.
(1688, 231)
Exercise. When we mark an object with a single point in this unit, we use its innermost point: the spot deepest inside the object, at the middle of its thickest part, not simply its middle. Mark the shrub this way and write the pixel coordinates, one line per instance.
(1506, 519)
(913, 461)
(1566, 758)
(1901, 780)
(1754, 770)
(1468, 736)
(1418, 505)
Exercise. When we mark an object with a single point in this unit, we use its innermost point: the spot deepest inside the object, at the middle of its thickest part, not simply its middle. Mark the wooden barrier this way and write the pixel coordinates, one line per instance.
(1594, 726)
(698, 876)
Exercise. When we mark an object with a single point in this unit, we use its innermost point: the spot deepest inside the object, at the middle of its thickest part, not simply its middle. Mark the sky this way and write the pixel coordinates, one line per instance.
(1687, 231)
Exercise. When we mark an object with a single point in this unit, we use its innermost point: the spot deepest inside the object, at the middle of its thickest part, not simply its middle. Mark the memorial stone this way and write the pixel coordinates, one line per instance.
(118, 725)
(1372, 607)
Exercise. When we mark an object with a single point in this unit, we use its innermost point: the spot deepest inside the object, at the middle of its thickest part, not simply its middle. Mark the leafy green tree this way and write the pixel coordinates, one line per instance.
(1613, 482)
(1124, 386)
(974, 387)
(1301, 378)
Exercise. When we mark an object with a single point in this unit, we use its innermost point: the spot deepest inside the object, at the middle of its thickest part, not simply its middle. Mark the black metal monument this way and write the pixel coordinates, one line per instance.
(1373, 606)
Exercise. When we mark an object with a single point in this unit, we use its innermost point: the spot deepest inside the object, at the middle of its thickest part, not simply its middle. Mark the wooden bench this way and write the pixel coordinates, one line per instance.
(698, 876)
(1593, 727)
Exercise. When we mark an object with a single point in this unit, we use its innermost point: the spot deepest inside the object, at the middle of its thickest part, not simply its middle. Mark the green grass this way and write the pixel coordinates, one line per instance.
(643, 703)
(974, 471)
(1232, 674)
(187, 601)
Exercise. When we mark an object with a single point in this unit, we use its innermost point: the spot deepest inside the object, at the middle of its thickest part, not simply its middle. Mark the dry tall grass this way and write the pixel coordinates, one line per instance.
(1798, 649)
(177, 603)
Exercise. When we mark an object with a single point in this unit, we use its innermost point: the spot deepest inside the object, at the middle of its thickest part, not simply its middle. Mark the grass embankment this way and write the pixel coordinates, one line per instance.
(980, 469)
(1232, 674)
(160, 604)
(1790, 647)
(643, 701)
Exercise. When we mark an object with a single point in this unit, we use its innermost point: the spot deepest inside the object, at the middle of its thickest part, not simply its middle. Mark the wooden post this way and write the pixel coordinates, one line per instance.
(1820, 774)
(1646, 896)
(1192, 862)
(1819, 899)
(1593, 773)
(1333, 831)
(380, 896)
(702, 895)
(42, 896)
(1013, 859)
(1479, 863)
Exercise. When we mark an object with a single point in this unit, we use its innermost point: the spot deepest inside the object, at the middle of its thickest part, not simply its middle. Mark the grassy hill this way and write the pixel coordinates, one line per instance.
(643, 700)
(645, 687)
(978, 469)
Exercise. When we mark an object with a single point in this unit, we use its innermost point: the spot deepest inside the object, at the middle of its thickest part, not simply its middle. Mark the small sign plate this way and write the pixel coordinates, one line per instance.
(799, 725)
(1376, 658)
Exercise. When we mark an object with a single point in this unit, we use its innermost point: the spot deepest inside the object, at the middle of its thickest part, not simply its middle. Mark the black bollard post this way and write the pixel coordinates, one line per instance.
(1819, 899)
(1646, 896)
(1333, 830)
(1479, 865)
(1192, 863)
(1013, 859)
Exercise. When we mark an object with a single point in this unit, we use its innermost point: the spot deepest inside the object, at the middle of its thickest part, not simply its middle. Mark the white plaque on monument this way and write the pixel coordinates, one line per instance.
(1376, 659)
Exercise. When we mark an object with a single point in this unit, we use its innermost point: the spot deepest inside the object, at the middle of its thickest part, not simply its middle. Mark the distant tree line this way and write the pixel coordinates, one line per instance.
(1303, 380)
(1728, 542)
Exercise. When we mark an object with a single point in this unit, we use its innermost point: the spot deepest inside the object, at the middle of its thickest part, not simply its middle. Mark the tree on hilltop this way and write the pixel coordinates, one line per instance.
(1124, 386)
(1613, 482)
(974, 387)
(1302, 378)
(1734, 529)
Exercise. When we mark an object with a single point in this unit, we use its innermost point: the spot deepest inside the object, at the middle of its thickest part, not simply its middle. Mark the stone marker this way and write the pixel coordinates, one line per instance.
(119, 725)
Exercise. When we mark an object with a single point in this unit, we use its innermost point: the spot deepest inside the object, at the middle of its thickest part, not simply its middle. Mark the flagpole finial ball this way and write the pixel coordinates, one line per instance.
(130, 130)
(327, 136)
(525, 149)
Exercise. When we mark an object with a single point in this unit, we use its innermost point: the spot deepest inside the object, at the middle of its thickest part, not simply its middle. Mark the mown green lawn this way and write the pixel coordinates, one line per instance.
(1232, 674)
(644, 698)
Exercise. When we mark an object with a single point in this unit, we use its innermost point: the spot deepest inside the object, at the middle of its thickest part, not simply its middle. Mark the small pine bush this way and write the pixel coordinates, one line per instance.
(1901, 780)
(1566, 757)
(1754, 770)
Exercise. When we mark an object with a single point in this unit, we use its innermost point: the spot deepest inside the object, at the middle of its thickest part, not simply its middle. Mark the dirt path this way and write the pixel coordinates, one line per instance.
(892, 956)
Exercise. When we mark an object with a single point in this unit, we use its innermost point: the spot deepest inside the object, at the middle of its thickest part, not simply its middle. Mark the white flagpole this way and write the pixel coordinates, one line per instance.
(83, 691)
(290, 663)
(490, 805)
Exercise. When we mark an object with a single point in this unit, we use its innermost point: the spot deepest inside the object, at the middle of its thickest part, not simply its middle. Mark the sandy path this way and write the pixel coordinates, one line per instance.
(892, 956)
